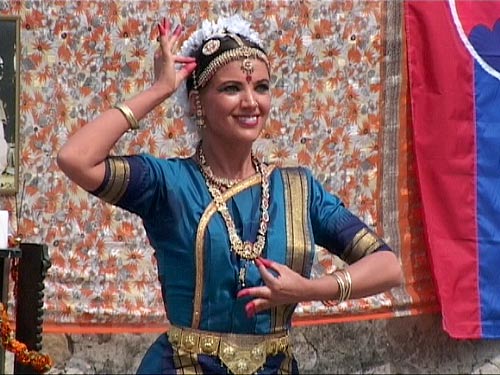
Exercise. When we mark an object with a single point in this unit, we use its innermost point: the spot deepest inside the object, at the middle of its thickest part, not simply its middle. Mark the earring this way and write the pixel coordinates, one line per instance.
(198, 111)
(199, 120)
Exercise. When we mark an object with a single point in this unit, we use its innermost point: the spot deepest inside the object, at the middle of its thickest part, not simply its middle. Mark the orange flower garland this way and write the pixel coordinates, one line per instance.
(40, 362)
(14, 242)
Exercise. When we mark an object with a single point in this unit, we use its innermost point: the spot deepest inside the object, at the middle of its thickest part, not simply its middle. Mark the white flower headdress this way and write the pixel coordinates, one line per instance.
(233, 24)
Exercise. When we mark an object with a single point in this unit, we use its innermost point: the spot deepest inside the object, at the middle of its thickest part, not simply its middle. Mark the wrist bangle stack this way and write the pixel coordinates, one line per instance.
(129, 115)
(343, 278)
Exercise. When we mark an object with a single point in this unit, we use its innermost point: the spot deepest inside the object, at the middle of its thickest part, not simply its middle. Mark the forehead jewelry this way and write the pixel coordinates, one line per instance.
(242, 53)
(247, 66)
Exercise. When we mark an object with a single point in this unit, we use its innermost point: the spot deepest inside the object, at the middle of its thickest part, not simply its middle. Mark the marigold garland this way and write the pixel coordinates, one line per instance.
(14, 242)
(40, 362)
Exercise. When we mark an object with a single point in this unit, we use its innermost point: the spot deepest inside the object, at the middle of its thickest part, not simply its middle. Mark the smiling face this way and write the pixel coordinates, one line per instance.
(236, 105)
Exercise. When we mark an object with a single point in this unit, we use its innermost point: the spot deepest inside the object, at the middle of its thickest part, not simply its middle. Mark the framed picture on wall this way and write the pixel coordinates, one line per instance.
(9, 104)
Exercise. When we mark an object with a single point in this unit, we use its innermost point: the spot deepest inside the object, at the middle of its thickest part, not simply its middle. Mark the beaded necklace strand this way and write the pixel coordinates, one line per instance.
(220, 182)
(245, 249)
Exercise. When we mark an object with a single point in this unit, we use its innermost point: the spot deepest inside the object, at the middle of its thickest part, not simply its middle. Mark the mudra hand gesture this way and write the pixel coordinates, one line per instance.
(167, 77)
(282, 286)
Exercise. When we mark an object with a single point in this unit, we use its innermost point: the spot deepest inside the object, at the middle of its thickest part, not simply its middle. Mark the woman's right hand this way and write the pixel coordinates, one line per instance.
(167, 77)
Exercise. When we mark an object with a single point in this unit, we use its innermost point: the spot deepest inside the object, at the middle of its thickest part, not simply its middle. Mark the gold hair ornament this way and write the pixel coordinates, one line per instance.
(228, 56)
(211, 47)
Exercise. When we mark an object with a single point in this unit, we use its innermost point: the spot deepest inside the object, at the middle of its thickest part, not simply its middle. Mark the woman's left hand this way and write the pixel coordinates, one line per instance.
(283, 286)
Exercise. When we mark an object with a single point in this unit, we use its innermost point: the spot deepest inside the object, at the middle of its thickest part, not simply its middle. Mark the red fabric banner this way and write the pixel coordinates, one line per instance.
(450, 119)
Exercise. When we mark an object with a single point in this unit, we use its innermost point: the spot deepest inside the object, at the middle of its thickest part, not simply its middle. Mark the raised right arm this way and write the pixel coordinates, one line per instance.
(82, 157)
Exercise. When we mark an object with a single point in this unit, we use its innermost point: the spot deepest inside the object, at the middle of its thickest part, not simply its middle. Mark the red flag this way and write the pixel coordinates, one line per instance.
(454, 59)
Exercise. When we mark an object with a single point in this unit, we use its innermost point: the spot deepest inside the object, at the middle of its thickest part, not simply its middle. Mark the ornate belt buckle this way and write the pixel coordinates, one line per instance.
(241, 359)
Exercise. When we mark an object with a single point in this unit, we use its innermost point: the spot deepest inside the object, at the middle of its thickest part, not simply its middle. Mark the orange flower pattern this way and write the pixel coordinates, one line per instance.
(79, 58)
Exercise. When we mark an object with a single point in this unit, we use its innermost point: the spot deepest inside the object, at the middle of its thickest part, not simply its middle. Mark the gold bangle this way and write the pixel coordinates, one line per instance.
(348, 281)
(342, 286)
(129, 115)
(344, 281)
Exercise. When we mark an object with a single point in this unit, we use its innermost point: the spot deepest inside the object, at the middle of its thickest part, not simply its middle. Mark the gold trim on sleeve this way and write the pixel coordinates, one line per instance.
(363, 243)
(118, 180)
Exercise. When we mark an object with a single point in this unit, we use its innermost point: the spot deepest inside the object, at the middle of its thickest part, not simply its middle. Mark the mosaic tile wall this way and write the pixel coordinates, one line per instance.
(80, 57)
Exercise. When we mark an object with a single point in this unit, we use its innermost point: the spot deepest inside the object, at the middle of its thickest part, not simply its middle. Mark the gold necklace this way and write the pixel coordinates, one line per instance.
(220, 182)
(245, 249)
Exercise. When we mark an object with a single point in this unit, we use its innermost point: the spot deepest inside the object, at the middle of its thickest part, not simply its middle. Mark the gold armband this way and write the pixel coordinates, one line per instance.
(129, 115)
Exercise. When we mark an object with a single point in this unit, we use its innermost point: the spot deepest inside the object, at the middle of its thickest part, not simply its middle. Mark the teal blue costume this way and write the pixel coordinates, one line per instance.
(199, 274)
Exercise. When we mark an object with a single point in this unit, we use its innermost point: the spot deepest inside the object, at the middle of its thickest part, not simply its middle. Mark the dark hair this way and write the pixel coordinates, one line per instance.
(227, 42)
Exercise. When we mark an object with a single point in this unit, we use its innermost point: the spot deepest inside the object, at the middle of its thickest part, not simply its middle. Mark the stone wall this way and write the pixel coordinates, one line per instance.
(406, 345)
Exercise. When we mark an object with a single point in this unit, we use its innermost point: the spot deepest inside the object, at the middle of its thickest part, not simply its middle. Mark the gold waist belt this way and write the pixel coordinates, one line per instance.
(242, 354)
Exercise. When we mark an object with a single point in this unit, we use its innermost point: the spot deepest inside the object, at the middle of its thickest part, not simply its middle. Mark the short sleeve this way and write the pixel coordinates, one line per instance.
(136, 183)
(337, 229)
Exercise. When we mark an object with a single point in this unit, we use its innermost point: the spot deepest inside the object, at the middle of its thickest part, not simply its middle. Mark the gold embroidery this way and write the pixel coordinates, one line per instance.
(118, 180)
(245, 249)
(363, 243)
(200, 240)
(297, 235)
(300, 233)
(241, 354)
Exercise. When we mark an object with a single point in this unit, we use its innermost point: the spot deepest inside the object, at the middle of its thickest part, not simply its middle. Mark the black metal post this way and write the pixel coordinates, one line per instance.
(33, 267)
